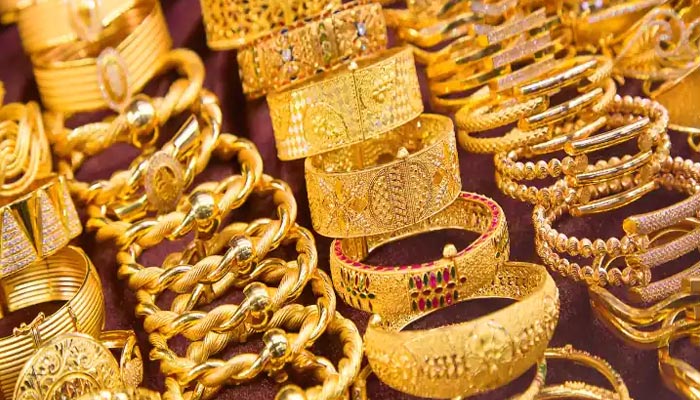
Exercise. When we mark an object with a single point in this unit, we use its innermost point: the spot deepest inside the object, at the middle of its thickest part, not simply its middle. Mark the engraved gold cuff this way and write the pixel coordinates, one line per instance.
(66, 276)
(471, 357)
(232, 24)
(385, 184)
(70, 21)
(346, 106)
(301, 50)
(400, 292)
(80, 76)
(75, 363)
(37, 225)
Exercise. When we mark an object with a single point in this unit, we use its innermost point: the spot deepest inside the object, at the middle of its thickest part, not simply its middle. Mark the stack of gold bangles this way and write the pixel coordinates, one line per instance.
(244, 297)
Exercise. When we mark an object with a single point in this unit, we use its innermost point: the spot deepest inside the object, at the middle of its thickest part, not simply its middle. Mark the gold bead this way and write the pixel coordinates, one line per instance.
(204, 206)
(243, 249)
(291, 392)
(257, 296)
(141, 114)
(277, 344)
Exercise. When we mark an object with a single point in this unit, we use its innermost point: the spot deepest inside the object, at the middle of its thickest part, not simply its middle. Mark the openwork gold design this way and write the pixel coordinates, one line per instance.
(387, 183)
(231, 24)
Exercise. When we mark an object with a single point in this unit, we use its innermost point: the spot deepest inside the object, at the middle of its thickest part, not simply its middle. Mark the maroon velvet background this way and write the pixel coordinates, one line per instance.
(577, 325)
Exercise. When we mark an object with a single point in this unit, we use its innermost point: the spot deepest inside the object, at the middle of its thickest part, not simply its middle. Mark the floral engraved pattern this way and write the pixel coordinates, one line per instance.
(67, 366)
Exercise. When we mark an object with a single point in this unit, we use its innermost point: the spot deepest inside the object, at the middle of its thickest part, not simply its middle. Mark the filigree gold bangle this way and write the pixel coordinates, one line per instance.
(66, 276)
(475, 356)
(359, 389)
(385, 184)
(301, 50)
(232, 24)
(125, 393)
(73, 364)
(79, 76)
(346, 106)
(37, 225)
(27, 156)
(70, 21)
(399, 292)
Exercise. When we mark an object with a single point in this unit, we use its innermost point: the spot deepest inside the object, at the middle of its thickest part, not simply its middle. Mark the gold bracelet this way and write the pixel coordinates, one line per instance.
(70, 22)
(528, 104)
(384, 184)
(359, 389)
(9, 9)
(73, 364)
(400, 292)
(300, 51)
(471, 357)
(651, 327)
(122, 394)
(678, 375)
(80, 76)
(27, 156)
(569, 389)
(346, 106)
(232, 24)
(37, 225)
(66, 276)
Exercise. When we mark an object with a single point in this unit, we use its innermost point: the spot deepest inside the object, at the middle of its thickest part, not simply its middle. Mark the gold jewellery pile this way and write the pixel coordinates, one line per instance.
(532, 82)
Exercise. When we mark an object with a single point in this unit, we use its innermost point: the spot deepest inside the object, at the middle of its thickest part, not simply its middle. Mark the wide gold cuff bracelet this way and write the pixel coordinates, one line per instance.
(385, 184)
(399, 292)
(346, 106)
(67, 276)
(75, 363)
(70, 21)
(471, 357)
(232, 24)
(302, 50)
(85, 76)
(37, 225)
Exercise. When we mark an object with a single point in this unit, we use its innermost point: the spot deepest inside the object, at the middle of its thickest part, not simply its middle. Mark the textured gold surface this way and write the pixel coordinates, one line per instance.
(346, 106)
(387, 183)
(398, 292)
(302, 50)
(471, 357)
(232, 24)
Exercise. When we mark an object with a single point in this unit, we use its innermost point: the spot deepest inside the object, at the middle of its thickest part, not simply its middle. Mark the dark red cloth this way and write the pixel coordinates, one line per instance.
(577, 324)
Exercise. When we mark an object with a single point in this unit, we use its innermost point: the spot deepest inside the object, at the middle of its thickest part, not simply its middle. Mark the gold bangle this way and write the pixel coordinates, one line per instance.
(9, 10)
(66, 276)
(568, 390)
(37, 225)
(27, 156)
(75, 363)
(359, 389)
(475, 356)
(126, 393)
(232, 24)
(528, 104)
(346, 106)
(78, 76)
(385, 184)
(302, 50)
(70, 21)
(678, 375)
(400, 292)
